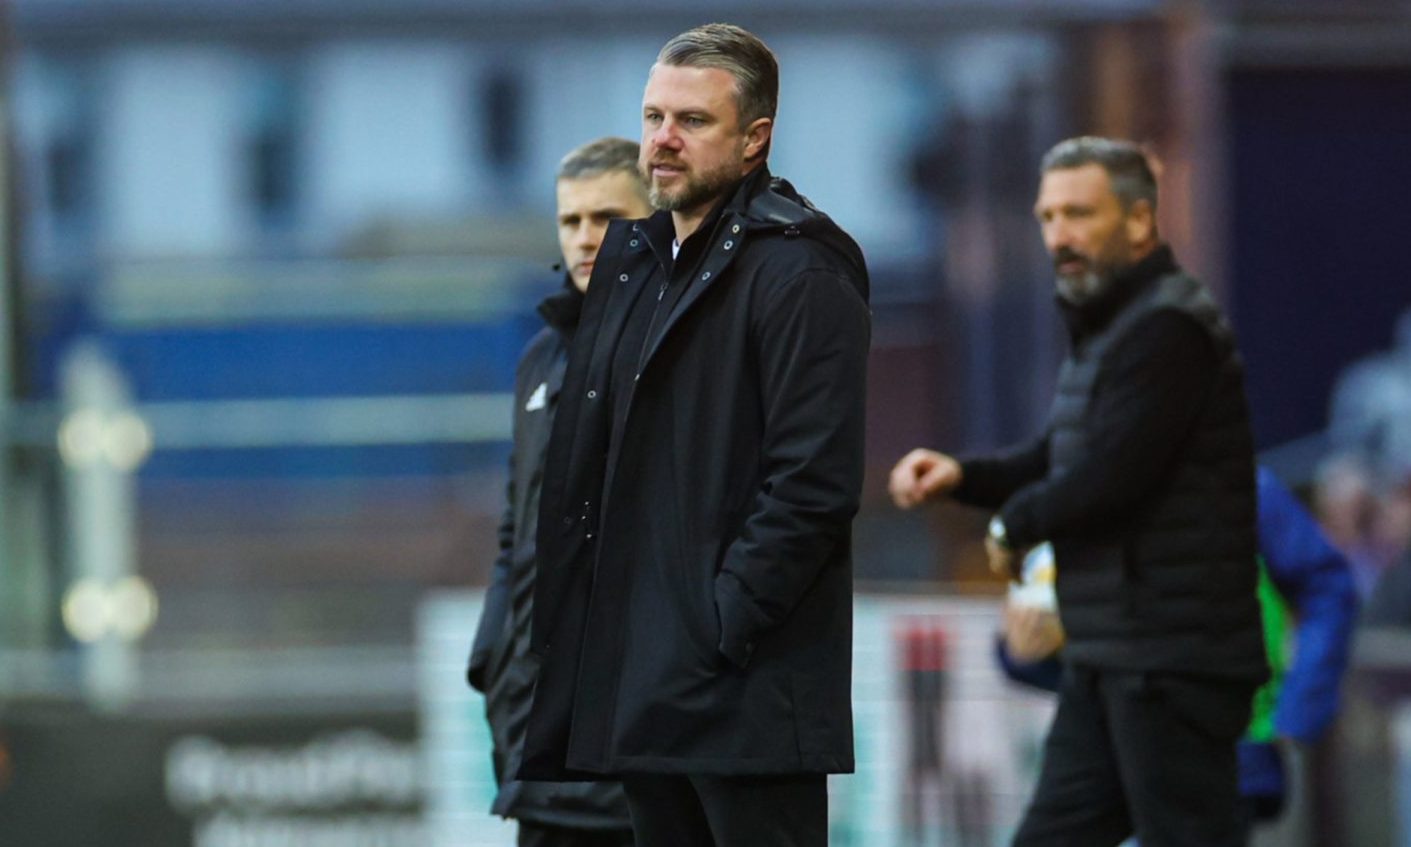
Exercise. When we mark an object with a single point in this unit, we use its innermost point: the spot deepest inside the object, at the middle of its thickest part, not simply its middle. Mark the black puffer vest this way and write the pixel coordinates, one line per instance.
(1171, 585)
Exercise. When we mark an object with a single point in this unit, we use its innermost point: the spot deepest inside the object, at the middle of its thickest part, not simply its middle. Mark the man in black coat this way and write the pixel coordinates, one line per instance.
(596, 183)
(1144, 482)
(694, 602)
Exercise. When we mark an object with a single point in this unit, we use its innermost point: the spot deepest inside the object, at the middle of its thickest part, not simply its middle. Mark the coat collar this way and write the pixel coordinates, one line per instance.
(760, 205)
(562, 309)
(760, 202)
(660, 231)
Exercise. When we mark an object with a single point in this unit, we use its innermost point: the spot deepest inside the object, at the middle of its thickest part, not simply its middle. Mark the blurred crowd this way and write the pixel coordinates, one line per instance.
(1362, 488)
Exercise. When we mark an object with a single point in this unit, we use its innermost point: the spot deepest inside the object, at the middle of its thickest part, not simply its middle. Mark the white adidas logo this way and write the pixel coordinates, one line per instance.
(539, 399)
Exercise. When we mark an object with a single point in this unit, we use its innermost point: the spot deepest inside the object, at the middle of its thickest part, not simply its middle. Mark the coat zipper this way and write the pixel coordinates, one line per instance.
(661, 295)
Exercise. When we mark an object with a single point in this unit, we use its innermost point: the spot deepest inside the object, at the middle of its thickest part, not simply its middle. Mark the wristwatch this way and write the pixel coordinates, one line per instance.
(998, 534)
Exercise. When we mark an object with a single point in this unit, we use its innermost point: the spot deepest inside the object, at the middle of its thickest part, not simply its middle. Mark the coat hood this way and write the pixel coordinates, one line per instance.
(772, 204)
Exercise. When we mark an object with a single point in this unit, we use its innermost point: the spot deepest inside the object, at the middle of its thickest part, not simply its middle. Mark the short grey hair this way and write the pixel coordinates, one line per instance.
(603, 156)
(1130, 166)
(738, 52)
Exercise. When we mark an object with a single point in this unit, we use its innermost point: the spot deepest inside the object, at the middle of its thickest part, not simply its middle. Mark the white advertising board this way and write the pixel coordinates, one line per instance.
(947, 748)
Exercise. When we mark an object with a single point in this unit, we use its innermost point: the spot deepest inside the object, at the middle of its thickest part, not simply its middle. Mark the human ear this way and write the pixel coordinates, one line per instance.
(757, 136)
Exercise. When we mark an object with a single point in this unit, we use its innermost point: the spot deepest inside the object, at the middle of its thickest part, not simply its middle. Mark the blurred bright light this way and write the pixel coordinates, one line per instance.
(86, 610)
(133, 608)
(81, 438)
(94, 609)
(87, 437)
(127, 441)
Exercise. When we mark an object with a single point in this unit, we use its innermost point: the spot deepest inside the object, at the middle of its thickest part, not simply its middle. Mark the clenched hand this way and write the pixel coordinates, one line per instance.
(923, 475)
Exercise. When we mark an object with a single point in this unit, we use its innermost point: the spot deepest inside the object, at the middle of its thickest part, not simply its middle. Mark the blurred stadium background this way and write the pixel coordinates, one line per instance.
(267, 268)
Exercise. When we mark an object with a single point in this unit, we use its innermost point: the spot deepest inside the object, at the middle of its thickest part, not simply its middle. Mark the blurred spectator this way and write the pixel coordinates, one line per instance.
(1345, 502)
(1363, 491)
(1371, 406)
(1390, 603)
(1391, 530)
(1302, 571)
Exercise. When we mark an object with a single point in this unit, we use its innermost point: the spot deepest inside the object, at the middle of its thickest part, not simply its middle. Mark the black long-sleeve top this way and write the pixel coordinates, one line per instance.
(1148, 392)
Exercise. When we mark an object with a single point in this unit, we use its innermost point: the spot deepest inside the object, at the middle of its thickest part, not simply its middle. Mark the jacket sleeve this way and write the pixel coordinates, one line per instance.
(497, 599)
(989, 481)
(1043, 674)
(812, 338)
(1317, 581)
(1154, 382)
(496, 608)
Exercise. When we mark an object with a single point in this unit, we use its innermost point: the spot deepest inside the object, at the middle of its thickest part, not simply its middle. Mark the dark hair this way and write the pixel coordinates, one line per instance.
(1129, 165)
(605, 155)
(738, 51)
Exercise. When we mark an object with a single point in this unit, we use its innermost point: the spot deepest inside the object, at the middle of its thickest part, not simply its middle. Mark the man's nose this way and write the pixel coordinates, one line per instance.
(666, 136)
(586, 238)
(1057, 236)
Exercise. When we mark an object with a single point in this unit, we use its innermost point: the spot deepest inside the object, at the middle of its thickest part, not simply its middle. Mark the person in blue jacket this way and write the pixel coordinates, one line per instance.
(1303, 578)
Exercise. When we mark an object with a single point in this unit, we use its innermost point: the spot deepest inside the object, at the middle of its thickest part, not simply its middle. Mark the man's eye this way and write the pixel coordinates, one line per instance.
(694, 122)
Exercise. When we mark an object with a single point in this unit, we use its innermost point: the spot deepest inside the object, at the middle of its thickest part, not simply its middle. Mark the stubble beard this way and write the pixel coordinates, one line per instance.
(694, 190)
(1080, 288)
(1093, 282)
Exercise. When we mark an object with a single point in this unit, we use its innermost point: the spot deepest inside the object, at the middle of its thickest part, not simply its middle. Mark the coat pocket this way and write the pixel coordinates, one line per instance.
(691, 585)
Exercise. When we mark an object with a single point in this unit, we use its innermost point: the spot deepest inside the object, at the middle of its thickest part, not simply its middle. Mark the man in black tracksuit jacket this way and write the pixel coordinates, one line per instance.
(596, 183)
(1144, 482)
(694, 601)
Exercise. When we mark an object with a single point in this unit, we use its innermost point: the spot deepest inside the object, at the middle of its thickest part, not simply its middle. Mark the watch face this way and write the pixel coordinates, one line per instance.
(997, 532)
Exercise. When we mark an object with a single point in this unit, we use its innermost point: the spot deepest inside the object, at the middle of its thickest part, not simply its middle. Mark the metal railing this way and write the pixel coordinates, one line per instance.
(102, 437)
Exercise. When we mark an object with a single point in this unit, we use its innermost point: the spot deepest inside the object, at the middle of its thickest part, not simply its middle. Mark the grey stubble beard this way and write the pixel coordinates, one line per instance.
(1083, 287)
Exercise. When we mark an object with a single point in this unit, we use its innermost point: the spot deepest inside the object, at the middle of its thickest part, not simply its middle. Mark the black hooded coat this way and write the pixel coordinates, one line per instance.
(693, 608)
(501, 666)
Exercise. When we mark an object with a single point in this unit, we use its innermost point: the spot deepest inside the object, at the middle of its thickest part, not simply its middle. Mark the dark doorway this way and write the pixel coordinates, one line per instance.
(1320, 202)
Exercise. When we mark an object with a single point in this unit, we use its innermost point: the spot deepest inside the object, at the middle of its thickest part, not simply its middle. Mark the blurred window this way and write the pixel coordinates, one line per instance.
(272, 144)
(501, 96)
(66, 168)
(67, 145)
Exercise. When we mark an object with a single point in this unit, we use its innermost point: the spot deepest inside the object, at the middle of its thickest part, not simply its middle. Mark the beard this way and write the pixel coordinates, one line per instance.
(1080, 288)
(1092, 282)
(694, 189)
